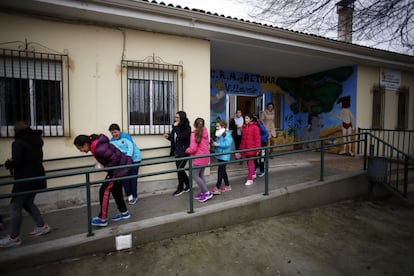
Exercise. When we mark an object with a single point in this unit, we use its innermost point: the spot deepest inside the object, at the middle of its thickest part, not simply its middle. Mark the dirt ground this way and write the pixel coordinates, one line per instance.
(346, 238)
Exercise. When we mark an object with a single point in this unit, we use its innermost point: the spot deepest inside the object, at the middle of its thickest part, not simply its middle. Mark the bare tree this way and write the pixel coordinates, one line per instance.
(388, 23)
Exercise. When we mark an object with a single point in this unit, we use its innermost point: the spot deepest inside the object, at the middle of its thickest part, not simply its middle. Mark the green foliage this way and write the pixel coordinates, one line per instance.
(317, 92)
(294, 125)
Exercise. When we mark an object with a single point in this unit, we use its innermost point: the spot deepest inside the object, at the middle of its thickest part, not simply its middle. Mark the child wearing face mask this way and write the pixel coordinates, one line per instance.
(222, 144)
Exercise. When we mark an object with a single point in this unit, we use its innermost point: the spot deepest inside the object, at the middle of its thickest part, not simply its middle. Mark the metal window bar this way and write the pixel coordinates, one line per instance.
(378, 107)
(402, 121)
(31, 89)
(153, 91)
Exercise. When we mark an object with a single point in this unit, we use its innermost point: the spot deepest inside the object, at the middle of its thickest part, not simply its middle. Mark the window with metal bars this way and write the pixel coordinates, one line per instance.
(31, 90)
(402, 120)
(153, 91)
(378, 107)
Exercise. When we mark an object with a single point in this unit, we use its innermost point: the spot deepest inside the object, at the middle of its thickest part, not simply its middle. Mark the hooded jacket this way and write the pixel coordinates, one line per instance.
(180, 140)
(224, 143)
(27, 160)
(199, 149)
(250, 139)
(109, 156)
(126, 145)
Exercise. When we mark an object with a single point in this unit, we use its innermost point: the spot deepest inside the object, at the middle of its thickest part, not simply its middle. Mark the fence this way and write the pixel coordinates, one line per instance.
(87, 172)
(402, 140)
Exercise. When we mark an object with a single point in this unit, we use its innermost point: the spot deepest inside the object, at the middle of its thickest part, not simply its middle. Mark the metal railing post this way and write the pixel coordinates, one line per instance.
(266, 150)
(322, 160)
(88, 204)
(406, 175)
(190, 194)
(365, 150)
(359, 141)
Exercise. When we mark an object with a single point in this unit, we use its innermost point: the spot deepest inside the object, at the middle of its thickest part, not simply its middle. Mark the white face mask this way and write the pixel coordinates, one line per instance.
(220, 132)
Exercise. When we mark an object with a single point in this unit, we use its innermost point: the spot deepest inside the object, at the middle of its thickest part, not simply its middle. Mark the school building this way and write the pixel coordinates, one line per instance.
(74, 67)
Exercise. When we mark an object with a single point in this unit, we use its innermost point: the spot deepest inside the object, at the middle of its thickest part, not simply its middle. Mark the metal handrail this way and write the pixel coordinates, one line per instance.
(395, 157)
(402, 139)
(90, 171)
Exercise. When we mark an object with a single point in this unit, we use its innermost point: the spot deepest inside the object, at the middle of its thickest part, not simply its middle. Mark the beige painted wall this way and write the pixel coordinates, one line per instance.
(367, 77)
(95, 81)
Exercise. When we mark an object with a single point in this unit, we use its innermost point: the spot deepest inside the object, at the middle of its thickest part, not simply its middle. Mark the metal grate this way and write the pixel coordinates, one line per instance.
(32, 90)
(378, 107)
(403, 100)
(153, 91)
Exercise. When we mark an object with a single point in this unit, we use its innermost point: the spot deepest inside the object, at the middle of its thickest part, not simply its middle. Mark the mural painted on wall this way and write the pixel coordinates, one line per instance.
(318, 105)
(324, 106)
(237, 83)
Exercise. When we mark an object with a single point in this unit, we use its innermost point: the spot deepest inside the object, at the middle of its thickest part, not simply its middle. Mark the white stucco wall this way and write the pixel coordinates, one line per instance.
(95, 54)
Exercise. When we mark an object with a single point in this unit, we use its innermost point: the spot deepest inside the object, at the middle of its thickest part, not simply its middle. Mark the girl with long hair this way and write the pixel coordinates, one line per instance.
(200, 145)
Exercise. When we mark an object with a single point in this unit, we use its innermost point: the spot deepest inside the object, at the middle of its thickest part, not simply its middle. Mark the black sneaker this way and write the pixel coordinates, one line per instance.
(178, 192)
(186, 189)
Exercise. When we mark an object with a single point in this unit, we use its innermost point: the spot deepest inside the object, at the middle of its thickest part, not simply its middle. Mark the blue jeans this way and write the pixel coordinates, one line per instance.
(131, 185)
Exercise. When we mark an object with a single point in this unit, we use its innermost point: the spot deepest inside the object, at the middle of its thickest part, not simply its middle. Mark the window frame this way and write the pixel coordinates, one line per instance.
(44, 75)
(151, 73)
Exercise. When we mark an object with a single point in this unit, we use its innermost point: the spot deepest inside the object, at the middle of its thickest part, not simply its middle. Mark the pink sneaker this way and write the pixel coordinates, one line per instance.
(216, 191)
(225, 188)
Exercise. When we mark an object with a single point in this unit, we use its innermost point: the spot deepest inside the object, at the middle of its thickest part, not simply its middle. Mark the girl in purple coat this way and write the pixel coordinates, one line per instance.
(108, 156)
(200, 145)
(250, 139)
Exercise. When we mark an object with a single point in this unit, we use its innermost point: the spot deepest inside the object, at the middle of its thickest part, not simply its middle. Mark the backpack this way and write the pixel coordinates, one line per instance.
(264, 134)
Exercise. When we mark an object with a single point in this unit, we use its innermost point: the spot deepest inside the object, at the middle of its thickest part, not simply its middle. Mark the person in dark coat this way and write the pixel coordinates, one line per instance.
(180, 141)
(108, 156)
(26, 162)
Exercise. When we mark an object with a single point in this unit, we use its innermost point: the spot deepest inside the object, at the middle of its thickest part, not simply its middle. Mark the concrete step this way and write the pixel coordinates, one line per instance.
(68, 238)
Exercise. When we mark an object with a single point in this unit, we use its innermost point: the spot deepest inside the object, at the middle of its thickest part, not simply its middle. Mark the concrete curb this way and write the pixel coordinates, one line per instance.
(282, 200)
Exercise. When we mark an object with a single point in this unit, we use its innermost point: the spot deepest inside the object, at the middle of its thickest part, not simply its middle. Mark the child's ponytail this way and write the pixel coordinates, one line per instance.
(199, 126)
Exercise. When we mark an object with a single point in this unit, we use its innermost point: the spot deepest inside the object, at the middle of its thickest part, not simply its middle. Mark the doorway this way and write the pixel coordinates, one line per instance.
(254, 104)
(247, 104)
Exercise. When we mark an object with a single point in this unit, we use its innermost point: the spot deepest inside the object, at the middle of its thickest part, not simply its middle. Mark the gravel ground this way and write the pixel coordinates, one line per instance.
(346, 238)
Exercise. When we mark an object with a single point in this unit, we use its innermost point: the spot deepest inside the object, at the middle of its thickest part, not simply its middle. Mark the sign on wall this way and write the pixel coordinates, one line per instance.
(390, 79)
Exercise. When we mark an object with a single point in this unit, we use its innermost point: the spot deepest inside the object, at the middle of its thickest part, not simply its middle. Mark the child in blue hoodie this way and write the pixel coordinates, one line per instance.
(124, 142)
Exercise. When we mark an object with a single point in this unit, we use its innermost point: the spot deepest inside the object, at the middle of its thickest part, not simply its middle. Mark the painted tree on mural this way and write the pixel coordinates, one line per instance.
(315, 93)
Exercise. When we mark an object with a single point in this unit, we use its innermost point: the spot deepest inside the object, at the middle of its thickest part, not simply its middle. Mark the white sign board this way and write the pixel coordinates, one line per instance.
(391, 79)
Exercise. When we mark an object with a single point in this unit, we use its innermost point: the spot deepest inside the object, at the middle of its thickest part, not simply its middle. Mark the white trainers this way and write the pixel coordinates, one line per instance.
(248, 182)
(40, 231)
(132, 200)
(9, 242)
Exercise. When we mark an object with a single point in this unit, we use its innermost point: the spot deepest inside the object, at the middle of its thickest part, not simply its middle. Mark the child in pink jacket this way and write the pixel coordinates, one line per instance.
(200, 145)
(250, 139)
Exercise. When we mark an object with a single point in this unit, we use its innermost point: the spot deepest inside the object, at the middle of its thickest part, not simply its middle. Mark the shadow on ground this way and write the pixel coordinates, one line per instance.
(354, 237)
